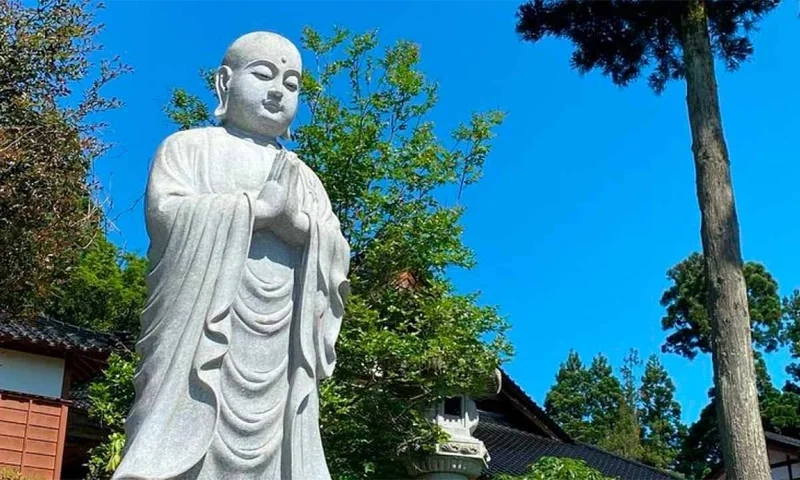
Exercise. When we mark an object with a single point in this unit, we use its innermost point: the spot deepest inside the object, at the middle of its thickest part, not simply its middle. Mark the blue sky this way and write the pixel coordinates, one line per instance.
(588, 195)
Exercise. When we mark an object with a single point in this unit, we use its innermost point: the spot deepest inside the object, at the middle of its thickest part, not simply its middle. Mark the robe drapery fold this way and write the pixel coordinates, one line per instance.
(201, 230)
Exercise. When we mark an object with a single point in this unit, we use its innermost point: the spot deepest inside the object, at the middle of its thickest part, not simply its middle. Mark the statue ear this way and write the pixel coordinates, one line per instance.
(221, 80)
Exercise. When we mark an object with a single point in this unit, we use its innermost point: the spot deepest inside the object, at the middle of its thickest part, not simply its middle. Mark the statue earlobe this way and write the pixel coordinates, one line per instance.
(221, 79)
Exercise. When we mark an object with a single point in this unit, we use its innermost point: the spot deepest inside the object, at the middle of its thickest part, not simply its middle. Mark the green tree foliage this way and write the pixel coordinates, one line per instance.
(106, 291)
(188, 110)
(555, 468)
(629, 371)
(700, 450)
(624, 437)
(587, 401)
(624, 434)
(637, 417)
(791, 309)
(567, 400)
(48, 210)
(625, 40)
(405, 344)
(660, 416)
(687, 317)
(111, 397)
(409, 338)
(773, 323)
(606, 402)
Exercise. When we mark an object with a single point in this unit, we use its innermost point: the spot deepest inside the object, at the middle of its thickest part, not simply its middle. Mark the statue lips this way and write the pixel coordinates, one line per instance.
(272, 106)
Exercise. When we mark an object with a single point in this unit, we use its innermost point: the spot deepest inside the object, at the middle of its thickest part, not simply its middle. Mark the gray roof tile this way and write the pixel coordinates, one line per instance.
(53, 335)
(513, 450)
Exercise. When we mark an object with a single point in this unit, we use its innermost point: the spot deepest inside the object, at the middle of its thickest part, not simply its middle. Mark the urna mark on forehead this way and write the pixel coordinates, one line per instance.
(256, 46)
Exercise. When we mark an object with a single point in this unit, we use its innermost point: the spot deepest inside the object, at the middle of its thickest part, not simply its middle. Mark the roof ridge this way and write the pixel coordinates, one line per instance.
(48, 318)
(45, 331)
(779, 437)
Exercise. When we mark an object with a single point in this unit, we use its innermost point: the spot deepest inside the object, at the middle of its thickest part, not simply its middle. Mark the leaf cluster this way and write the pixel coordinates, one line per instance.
(409, 338)
(106, 291)
(111, 397)
(49, 211)
(626, 39)
(556, 468)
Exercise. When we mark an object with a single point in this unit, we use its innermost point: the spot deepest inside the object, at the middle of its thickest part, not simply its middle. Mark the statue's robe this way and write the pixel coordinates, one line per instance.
(239, 326)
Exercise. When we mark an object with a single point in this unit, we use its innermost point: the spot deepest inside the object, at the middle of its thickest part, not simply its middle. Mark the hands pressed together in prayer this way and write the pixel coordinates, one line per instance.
(279, 205)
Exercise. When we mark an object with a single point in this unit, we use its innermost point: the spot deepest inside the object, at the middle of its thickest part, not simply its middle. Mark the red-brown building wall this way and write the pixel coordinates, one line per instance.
(32, 432)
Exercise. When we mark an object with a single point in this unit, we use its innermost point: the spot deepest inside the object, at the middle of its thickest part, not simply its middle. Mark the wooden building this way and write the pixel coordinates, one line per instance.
(39, 362)
(784, 458)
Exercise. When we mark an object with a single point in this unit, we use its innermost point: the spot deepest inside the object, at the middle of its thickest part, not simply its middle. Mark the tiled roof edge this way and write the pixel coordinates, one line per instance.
(516, 392)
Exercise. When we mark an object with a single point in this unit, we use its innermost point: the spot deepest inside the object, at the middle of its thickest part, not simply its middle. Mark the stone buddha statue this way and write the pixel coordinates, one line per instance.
(245, 293)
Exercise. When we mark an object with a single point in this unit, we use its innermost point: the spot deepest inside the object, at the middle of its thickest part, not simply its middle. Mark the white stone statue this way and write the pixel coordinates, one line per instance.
(246, 289)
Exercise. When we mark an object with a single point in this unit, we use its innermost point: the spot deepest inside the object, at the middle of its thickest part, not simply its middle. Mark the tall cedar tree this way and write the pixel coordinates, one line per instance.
(679, 40)
(408, 337)
(660, 416)
(611, 418)
(772, 322)
(48, 210)
(589, 403)
(638, 417)
(567, 400)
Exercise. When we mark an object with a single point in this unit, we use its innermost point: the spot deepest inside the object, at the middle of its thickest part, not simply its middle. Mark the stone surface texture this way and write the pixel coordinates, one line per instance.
(246, 290)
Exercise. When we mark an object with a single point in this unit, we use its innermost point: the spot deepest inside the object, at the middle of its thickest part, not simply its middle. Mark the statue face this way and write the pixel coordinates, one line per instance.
(260, 95)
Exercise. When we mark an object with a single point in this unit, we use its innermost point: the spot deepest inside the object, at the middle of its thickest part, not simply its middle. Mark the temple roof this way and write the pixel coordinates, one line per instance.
(513, 450)
(54, 337)
(517, 432)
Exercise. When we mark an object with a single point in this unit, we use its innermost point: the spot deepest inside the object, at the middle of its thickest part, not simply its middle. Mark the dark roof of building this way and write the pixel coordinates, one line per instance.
(513, 450)
(86, 351)
(54, 336)
(517, 432)
(521, 401)
(782, 440)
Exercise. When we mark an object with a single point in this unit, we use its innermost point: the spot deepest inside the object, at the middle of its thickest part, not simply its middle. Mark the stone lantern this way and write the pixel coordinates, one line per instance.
(462, 456)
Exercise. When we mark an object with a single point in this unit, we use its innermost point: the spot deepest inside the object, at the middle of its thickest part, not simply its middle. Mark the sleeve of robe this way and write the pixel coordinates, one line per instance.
(324, 288)
(333, 286)
(199, 243)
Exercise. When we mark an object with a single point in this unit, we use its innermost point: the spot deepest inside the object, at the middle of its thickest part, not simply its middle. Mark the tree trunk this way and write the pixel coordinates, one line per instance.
(743, 445)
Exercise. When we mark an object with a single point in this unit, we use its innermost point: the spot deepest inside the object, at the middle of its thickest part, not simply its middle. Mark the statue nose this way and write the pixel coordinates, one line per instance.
(275, 95)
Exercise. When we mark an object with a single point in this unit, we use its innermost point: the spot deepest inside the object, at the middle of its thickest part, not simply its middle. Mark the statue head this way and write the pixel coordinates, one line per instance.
(258, 85)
